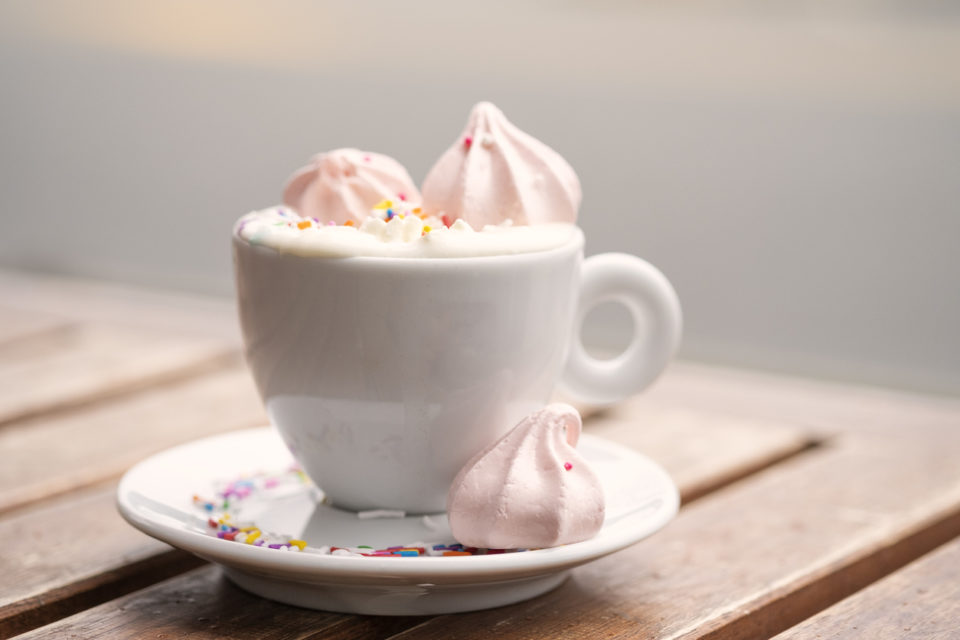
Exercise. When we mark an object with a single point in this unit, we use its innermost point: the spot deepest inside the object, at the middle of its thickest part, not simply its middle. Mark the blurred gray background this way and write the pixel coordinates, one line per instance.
(793, 168)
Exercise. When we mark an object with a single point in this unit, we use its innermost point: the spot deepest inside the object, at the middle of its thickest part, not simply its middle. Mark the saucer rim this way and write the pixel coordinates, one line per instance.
(329, 568)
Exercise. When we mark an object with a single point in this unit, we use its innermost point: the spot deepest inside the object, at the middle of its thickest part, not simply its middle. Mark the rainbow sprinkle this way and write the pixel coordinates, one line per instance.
(231, 495)
(387, 210)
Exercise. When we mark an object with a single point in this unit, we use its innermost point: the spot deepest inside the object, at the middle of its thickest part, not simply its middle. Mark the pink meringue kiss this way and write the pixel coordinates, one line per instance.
(495, 172)
(530, 489)
(345, 184)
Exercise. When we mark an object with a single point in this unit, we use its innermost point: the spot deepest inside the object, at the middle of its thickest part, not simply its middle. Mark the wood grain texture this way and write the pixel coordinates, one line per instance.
(757, 557)
(744, 445)
(71, 551)
(811, 403)
(825, 489)
(81, 560)
(702, 451)
(83, 364)
(202, 605)
(82, 447)
(919, 602)
(24, 615)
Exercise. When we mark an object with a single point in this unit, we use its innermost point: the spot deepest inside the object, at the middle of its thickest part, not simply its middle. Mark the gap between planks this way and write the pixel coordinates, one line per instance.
(49, 550)
(921, 601)
(68, 343)
(61, 602)
(839, 581)
(90, 445)
(201, 604)
(686, 440)
(79, 365)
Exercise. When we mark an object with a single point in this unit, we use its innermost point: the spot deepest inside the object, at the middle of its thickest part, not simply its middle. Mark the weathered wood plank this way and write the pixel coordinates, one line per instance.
(760, 556)
(201, 604)
(744, 563)
(82, 447)
(921, 601)
(67, 539)
(66, 342)
(813, 403)
(702, 451)
(83, 364)
(73, 553)
(745, 444)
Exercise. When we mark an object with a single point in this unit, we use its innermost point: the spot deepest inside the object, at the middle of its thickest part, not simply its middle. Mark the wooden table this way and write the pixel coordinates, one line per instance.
(811, 510)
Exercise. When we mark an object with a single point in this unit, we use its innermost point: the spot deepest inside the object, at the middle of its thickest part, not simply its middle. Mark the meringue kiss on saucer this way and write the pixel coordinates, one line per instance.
(530, 489)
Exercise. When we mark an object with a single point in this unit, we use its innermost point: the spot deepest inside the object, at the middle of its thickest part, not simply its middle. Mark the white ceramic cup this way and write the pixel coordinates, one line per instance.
(385, 375)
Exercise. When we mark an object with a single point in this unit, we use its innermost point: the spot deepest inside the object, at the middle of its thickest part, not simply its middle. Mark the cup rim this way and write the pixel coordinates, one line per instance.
(575, 243)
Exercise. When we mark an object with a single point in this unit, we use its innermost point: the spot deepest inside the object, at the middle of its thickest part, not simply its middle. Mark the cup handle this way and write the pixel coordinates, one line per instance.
(651, 300)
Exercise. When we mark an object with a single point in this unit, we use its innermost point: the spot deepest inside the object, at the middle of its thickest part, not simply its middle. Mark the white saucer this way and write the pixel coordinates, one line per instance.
(156, 496)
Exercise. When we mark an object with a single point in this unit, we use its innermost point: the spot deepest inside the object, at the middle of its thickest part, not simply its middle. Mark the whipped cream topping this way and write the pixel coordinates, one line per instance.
(403, 235)
(495, 172)
(529, 489)
(344, 184)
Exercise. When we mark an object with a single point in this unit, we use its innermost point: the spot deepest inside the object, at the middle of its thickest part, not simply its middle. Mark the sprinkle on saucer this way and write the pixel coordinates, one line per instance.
(223, 520)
